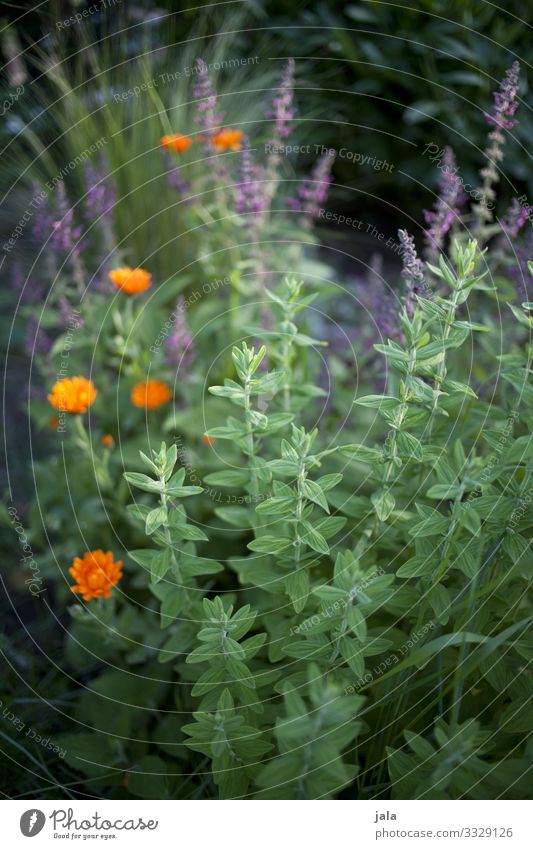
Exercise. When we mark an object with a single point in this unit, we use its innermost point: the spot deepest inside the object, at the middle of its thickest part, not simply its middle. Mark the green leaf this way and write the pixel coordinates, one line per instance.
(160, 565)
(384, 503)
(409, 445)
(443, 491)
(312, 491)
(297, 586)
(314, 539)
(382, 402)
(233, 477)
(361, 452)
(143, 482)
(155, 519)
(269, 544)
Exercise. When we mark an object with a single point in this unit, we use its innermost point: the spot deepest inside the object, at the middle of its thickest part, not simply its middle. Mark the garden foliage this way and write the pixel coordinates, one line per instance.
(310, 605)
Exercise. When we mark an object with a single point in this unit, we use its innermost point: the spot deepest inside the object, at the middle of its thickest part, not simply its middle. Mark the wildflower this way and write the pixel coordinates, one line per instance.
(250, 192)
(208, 119)
(315, 189)
(131, 280)
(208, 440)
(179, 344)
(282, 107)
(95, 573)
(176, 142)
(412, 271)
(151, 394)
(36, 341)
(99, 204)
(173, 175)
(447, 205)
(505, 105)
(228, 140)
(72, 395)
(107, 440)
(515, 218)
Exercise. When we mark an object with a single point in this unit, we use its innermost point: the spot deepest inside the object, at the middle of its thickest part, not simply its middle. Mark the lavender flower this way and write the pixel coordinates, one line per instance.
(35, 339)
(412, 271)
(502, 119)
(250, 195)
(282, 105)
(174, 178)
(208, 118)
(515, 218)
(313, 192)
(99, 203)
(65, 235)
(447, 206)
(505, 103)
(378, 301)
(179, 344)
(29, 290)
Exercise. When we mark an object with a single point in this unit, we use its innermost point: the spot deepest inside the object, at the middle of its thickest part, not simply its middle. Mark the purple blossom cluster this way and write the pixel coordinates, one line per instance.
(283, 112)
(174, 176)
(250, 192)
(314, 190)
(505, 102)
(447, 206)
(379, 303)
(179, 344)
(412, 270)
(516, 217)
(208, 118)
(502, 119)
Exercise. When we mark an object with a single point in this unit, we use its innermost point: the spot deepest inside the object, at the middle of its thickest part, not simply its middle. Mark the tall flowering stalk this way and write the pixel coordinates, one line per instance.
(412, 270)
(447, 206)
(282, 113)
(208, 119)
(515, 218)
(314, 190)
(179, 344)
(502, 119)
(99, 203)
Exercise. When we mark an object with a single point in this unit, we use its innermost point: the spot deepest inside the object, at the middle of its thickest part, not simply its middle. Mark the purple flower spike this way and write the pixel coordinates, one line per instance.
(505, 102)
(447, 205)
(282, 105)
(412, 271)
(208, 118)
(179, 344)
(516, 217)
(250, 193)
(502, 119)
(314, 190)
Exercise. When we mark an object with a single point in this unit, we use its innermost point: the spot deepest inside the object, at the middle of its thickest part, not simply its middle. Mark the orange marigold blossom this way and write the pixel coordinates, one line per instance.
(150, 394)
(176, 142)
(72, 395)
(107, 440)
(131, 280)
(228, 139)
(95, 573)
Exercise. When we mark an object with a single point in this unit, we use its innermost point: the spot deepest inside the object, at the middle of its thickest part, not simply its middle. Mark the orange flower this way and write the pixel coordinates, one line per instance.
(131, 280)
(151, 394)
(53, 423)
(228, 139)
(107, 440)
(207, 440)
(72, 395)
(176, 142)
(95, 573)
